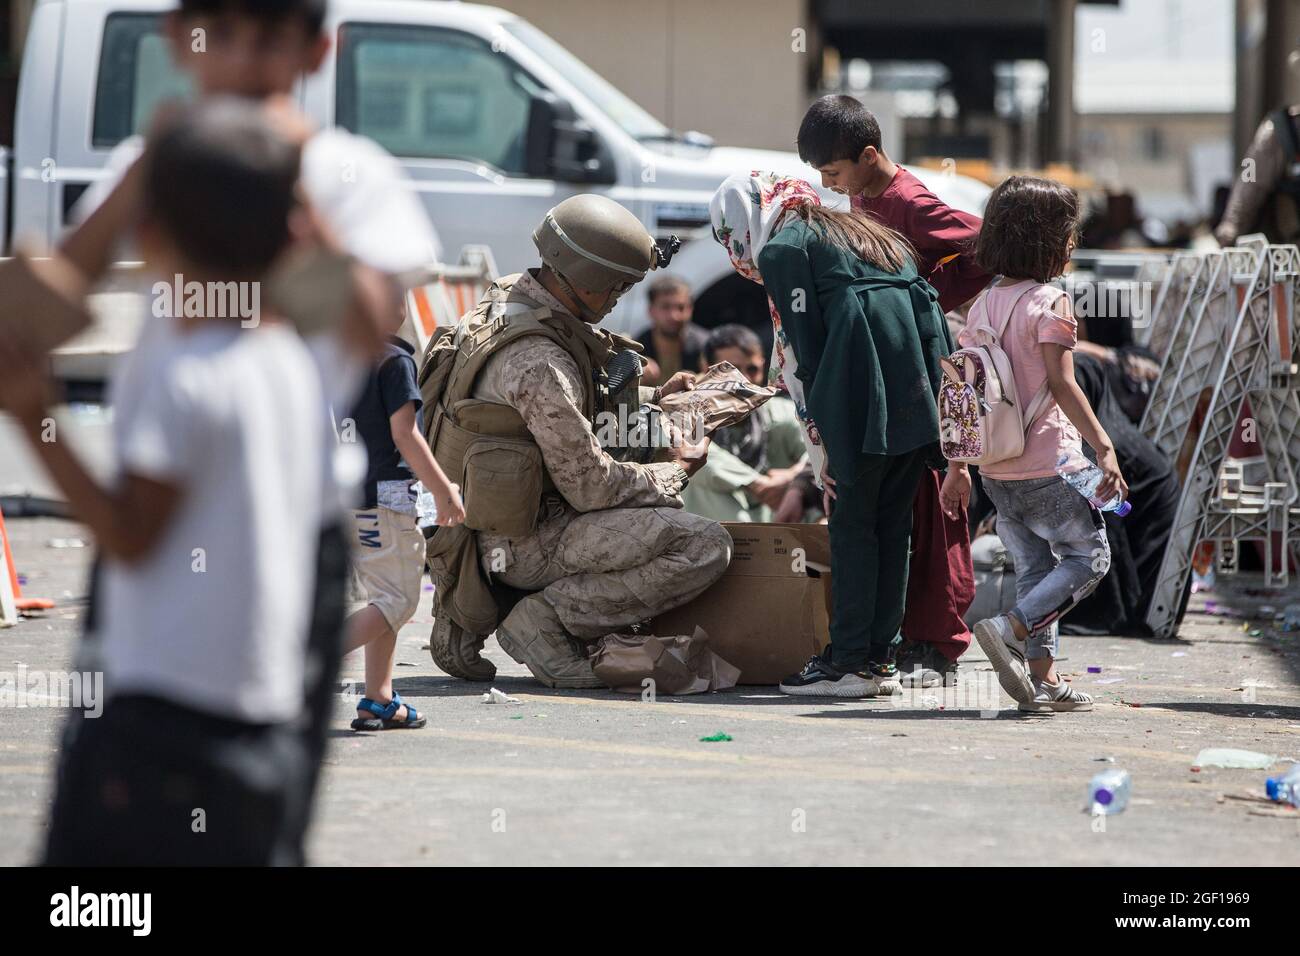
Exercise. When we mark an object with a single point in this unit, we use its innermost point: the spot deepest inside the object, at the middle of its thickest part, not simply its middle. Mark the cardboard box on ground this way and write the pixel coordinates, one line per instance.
(770, 611)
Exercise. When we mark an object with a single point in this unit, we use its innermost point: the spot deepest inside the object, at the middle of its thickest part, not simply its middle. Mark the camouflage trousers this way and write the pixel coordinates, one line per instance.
(605, 570)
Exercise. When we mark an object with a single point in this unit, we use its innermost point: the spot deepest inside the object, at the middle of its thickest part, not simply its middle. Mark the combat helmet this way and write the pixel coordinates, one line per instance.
(592, 242)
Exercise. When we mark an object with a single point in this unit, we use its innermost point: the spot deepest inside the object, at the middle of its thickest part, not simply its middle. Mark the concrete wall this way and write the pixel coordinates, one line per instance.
(723, 67)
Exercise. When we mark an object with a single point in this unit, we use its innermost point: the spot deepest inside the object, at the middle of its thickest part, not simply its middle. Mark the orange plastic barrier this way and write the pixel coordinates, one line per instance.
(15, 592)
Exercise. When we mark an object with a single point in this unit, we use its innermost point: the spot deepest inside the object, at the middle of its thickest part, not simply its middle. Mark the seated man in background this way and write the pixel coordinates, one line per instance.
(672, 343)
(752, 464)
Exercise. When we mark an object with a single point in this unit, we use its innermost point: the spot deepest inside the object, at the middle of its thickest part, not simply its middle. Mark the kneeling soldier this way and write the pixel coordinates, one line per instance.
(512, 395)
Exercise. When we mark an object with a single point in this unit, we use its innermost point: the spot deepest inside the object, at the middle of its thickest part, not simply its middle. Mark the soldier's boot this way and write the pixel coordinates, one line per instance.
(533, 635)
(457, 651)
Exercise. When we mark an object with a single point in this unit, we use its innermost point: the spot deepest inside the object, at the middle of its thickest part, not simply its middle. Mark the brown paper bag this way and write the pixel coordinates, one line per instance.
(677, 665)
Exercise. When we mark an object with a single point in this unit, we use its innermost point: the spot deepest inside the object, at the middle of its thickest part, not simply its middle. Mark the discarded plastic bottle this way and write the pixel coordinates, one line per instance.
(1084, 477)
(1108, 792)
(1285, 789)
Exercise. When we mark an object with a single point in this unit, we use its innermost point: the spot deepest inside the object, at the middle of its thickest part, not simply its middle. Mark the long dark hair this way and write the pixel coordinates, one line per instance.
(864, 237)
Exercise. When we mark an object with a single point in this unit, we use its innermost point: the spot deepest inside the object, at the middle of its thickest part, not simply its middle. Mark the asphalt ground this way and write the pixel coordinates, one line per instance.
(586, 777)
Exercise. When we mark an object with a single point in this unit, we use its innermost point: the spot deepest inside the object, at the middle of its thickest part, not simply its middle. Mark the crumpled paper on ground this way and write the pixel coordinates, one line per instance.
(677, 665)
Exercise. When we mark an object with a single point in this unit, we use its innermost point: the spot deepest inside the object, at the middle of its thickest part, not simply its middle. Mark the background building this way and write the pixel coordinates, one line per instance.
(1136, 96)
(738, 70)
(1154, 98)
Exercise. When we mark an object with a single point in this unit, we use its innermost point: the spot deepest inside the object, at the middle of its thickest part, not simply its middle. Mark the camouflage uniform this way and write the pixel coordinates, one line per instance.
(614, 546)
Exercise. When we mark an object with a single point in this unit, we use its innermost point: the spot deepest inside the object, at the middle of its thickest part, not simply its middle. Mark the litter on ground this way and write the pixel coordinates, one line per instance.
(1233, 759)
(495, 696)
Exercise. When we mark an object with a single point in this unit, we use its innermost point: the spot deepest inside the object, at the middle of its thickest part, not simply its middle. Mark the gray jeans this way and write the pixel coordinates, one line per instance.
(1058, 542)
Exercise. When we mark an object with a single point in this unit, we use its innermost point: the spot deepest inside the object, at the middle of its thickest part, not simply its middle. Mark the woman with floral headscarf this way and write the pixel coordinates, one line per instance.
(859, 335)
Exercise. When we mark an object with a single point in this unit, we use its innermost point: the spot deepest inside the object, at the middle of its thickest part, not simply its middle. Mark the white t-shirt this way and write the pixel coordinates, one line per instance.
(215, 617)
(231, 639)
(363, 195)
(360, 190)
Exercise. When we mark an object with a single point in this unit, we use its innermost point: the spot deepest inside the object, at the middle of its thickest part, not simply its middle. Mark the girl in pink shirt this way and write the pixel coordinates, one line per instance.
(1040, 315)
(1054, 534)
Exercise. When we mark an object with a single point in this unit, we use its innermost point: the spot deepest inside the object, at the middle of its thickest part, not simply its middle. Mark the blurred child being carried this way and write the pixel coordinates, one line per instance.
(209, 533)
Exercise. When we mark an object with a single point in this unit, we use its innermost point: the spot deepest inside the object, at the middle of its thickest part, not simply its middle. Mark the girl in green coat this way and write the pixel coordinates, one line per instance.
(859, 335)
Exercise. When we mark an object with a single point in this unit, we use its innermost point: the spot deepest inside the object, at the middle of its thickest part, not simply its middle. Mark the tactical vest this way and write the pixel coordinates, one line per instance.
(484, 446)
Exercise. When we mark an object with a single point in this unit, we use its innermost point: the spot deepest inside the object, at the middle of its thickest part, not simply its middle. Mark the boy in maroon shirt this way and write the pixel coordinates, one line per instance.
(841, 138)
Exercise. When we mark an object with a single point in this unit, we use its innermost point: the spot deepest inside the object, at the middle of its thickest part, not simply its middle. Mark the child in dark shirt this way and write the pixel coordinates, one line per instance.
(389, 546)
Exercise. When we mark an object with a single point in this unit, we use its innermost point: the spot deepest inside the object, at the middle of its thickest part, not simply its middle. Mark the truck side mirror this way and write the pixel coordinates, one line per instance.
(561, 145)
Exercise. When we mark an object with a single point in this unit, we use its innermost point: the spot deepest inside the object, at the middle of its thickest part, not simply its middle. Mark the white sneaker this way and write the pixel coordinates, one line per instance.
(819, 679)
(1057, 698)
(1007, 655)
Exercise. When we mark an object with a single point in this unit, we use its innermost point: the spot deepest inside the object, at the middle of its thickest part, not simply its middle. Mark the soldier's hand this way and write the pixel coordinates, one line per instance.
(680, 382)
(688, 451)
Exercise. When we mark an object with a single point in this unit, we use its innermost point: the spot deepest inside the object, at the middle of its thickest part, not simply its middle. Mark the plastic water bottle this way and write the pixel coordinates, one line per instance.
(1084, 477)
(1108, 792)
(426, 508)
(1285, 789)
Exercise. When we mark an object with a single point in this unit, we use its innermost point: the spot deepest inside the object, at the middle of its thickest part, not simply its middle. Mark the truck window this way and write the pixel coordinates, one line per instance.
(428, 93)
(136, 73)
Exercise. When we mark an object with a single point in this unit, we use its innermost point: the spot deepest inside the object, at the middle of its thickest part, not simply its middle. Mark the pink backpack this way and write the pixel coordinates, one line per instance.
(980, 421)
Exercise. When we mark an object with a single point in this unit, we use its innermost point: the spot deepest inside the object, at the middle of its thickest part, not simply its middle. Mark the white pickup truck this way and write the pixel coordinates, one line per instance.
(493, 120)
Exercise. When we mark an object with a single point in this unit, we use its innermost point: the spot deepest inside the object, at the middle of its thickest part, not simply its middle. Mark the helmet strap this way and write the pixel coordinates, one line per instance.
(585, 312)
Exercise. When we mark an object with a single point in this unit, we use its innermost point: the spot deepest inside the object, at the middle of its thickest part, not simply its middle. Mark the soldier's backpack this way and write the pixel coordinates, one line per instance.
(980, 420)
(484, 446)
